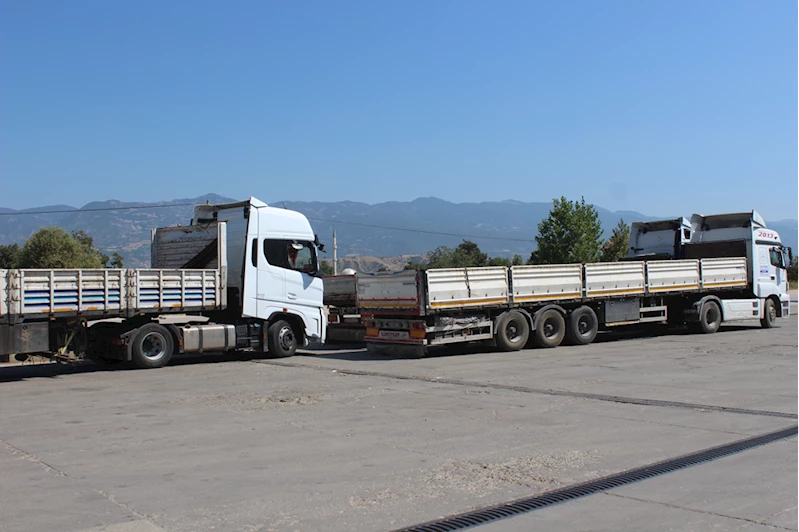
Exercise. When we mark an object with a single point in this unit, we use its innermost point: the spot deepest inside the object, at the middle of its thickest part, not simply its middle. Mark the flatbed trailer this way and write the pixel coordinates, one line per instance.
(731, 269)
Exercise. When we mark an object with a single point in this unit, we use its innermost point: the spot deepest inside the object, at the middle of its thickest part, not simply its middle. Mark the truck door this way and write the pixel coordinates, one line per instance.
(777, 261)
(271, 279)
(297, 261)
(768, 269)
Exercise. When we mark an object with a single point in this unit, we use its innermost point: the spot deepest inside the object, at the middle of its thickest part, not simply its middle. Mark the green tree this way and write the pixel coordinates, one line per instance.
(325, 268)
(792, 270)
(89, 251)
(116, 261)
(571, 233)
(9, 256)
(499, 261)
(618, 245)
(414, 265)
(517, 260)
(53, 247)
(468, 255)
(441, 257)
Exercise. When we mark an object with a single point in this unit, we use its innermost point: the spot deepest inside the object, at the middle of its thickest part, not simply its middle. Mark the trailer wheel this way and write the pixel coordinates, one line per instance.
(769, 314)
(152, 347)
(282, 341)
(583, 326)
(550, 328)
(710, 317)
(512, 331)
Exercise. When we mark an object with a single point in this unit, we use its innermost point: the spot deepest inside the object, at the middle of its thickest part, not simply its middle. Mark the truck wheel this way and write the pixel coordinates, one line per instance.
(710, 317)
(550, 328)
(282, 342)
(582, 327)
(512, 331)
(769, 314)
(152, 347)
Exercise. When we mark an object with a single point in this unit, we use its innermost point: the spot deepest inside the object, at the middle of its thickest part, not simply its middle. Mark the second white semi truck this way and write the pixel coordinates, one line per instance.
(703, 272)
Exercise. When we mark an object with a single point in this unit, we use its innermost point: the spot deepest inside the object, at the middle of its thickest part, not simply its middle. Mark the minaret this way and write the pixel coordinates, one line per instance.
(335, 256)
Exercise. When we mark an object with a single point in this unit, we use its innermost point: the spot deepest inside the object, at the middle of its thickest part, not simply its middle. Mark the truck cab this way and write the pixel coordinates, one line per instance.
(746, 234)
(273, 267)
(659, 239)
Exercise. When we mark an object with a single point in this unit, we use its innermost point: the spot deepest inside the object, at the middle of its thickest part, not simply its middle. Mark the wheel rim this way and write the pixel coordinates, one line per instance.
(153, 346)
(584, 325)
(512, 332)
(286, 338)
(551, 328)
(772, 311)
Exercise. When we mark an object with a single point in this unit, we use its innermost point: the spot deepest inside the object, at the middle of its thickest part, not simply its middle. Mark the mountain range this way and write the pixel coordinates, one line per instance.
(388, 229)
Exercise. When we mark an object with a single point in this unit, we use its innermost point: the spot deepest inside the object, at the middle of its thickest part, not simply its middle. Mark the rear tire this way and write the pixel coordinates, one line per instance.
(769, 314)
(152, 347)
(512, 332)
(282, 342)
(710, 317)
(583, 326)
(550, 328)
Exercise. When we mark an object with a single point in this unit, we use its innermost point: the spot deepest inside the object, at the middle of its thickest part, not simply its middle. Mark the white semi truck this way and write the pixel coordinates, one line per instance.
(240, 276)
(703, 272)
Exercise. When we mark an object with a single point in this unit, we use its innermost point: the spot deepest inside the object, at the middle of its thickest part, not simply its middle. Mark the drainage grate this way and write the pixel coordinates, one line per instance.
(528, 504)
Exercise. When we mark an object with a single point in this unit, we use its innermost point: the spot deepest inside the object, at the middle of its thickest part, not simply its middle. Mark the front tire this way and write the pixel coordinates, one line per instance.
(769, 314)
(282, 341)
(152, 347)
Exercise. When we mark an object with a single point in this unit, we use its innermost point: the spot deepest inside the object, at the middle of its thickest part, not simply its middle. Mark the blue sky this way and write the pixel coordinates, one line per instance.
(667, 107)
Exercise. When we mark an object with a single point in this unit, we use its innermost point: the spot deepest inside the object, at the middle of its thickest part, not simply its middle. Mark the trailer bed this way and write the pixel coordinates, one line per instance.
(190, 277)
(107, 293)
(418, 293)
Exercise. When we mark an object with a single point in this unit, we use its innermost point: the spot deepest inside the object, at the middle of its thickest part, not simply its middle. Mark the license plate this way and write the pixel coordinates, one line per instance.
(395, 335)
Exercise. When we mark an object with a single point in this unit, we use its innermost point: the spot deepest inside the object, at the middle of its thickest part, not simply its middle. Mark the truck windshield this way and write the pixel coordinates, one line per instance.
(291, 254)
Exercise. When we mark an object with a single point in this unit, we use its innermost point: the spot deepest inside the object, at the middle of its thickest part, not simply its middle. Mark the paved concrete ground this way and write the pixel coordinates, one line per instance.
(339, 440)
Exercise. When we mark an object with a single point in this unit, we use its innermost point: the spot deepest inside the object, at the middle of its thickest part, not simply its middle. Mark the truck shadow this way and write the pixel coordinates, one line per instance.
(53, 370)
(349, 352)
(633, 332)
(355, 353)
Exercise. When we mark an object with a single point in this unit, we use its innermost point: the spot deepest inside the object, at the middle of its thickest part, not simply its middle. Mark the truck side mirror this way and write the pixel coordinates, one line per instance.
(318, 244)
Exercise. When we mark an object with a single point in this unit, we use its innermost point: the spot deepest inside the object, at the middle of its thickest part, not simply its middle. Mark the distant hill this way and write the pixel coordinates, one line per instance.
(487, 223)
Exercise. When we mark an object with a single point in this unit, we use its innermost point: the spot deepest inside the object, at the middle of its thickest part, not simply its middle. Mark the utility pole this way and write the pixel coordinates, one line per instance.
(335, 256)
